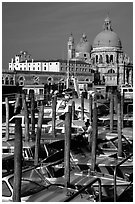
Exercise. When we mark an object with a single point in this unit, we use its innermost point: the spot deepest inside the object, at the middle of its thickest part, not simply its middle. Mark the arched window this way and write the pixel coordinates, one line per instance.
(107, 58)
(100, 59)
(7, 80)
(3, 81)
(11, 81)
(50, 79)
(111, 58)
(96, 58)
(21, 78)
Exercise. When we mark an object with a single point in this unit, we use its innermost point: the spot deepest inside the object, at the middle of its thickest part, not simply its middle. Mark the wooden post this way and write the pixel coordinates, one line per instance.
(32, 113)
(94, 135)
(73, 110)
(115, 102)
(26, 115)
(82, 106)
(17, 161)
(111, 112)
(90, 108)
(122, 106)
(38, 134)
(7, 118)
(17, 103)
(54, 103)
(67, 145)
(119, 126)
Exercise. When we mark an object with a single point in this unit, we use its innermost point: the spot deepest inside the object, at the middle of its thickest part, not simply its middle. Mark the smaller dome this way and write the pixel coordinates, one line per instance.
(83, 45)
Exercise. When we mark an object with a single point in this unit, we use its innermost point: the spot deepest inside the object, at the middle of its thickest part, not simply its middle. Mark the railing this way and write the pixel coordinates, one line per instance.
(94, 180)
(115, 174)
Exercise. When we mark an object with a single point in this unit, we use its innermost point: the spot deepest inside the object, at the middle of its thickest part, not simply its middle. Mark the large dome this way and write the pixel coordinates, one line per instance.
(107, 38)
(83, 46)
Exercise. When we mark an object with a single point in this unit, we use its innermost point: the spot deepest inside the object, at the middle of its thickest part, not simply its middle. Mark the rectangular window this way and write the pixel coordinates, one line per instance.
(41, 91)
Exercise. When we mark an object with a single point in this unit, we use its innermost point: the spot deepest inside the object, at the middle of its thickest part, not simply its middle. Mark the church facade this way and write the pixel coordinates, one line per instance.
(106, 57)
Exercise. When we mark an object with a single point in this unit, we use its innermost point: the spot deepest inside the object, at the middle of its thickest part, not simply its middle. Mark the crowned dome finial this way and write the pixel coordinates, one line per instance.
(107, 23)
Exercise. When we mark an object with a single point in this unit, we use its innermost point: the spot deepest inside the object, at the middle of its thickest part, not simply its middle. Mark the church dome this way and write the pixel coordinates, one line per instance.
(83, 46)
(107, 38)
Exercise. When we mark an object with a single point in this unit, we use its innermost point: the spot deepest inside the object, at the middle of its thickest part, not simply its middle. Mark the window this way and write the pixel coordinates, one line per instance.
(2, 80)
(21, 78)
(21, 83)
(111, 58)
(44, 68)
(100, 59)
(11, 81)
(6, 80)
(96, 58)
(107, 58)
(41, 91)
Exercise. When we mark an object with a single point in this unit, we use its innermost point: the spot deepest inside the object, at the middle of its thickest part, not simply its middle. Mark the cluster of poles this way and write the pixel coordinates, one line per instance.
(69, 116)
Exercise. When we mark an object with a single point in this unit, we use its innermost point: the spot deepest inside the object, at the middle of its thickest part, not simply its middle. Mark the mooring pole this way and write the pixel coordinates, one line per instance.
(111, 112)
(17, 161)
(119, 126)
(82, 106)
(90, 108)
(32, 113)
(73, 110)
(54, 103)
(17, 103)
(26, 116)
(38, 135)
(7, 118)
(94, 135)
(122, 107)
(115, 102)
(68, 122)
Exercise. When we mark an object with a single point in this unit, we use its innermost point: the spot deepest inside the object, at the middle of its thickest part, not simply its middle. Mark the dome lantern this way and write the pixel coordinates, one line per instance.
(107, 24)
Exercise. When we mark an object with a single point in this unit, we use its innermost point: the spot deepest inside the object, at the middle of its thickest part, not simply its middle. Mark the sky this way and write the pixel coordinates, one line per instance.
(43, 28)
